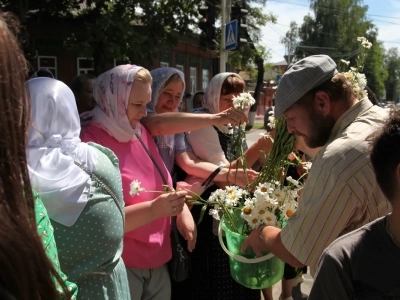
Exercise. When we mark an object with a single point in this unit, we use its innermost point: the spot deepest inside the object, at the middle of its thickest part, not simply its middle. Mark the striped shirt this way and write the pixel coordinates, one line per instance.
(341, 192)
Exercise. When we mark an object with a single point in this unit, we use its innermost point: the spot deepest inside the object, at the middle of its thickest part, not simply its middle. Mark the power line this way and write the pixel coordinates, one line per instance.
(341, 10)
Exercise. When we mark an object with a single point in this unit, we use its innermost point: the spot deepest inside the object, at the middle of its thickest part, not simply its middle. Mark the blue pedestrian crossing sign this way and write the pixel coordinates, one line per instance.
(231, 35)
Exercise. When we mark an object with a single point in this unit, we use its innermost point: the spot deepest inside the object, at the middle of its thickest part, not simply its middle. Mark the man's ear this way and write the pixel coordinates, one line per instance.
(322, 103)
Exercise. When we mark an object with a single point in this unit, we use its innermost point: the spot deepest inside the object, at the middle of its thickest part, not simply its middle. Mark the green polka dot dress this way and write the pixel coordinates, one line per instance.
(90, 250)
(46, 233)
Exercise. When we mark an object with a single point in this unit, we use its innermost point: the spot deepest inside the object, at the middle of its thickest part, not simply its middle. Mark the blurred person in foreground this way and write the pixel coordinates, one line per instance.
(30, 269)
(341, 193)
(364, 264)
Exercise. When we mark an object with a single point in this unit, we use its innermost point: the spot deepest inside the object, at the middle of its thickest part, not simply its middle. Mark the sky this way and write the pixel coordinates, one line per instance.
(385, 14)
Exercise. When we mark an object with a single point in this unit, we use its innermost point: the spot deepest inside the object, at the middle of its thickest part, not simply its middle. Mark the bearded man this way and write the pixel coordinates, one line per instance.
(341, 192)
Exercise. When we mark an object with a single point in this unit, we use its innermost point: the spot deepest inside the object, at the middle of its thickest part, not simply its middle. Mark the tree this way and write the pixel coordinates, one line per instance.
(252, 55)
(108, 29)
(290, 40)
(120, 28)
(333, 30)
(392, 83)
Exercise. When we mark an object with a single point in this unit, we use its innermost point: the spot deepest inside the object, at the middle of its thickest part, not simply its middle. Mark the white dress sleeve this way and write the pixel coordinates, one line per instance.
(205, 144)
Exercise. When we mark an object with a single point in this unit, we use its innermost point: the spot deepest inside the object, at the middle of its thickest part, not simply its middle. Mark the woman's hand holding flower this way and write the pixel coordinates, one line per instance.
(169, 205)
(241, 177)
(231, 116)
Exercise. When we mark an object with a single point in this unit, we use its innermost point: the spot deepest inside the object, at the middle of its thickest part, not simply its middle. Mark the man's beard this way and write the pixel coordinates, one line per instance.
(320, 130)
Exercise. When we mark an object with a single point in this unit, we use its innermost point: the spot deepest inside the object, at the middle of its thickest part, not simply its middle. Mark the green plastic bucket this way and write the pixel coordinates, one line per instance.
(246, 268)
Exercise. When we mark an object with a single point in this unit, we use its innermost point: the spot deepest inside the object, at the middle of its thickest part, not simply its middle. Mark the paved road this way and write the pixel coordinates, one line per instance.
(252, 136)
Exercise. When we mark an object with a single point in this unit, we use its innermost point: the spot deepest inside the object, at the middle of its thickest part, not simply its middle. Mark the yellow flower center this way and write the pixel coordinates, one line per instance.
(247, 210)
(269, 219)
(264, 189)
(289, 213)
(254, 221)
(261, 211)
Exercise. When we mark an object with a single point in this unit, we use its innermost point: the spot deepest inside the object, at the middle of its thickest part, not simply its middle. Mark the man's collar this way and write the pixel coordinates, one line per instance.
(348, 117)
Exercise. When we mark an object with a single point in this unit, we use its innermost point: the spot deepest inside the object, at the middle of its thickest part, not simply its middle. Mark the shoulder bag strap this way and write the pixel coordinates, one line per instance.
(152, 159)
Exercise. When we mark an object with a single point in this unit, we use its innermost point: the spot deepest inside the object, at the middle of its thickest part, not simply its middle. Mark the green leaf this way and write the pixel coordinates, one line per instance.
(203, 210)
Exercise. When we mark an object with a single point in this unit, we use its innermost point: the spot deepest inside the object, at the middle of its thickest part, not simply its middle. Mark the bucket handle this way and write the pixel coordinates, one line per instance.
(241, 258)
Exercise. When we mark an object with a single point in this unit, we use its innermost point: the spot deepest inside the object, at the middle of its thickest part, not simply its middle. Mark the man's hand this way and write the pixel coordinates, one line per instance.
(255, 242)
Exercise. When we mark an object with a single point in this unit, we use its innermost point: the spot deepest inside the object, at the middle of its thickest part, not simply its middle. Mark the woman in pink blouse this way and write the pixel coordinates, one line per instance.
(122, 95)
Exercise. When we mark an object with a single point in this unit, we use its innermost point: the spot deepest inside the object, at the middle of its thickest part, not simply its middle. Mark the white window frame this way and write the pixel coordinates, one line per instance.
(52, 69)
(164, 64)
(193, 80)
(206, 79)
(179, 67)
(85, 70)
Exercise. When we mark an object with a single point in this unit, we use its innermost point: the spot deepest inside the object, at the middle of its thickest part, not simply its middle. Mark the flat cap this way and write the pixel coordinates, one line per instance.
(301, 78)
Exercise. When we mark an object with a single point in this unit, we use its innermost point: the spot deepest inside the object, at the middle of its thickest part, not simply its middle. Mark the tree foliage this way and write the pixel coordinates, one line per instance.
(392, 83)
(290, 40)
(333, 30)
(245, 58)
(107, 29)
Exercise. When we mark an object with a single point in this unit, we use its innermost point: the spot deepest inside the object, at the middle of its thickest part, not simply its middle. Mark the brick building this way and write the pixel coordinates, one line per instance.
(51, 53)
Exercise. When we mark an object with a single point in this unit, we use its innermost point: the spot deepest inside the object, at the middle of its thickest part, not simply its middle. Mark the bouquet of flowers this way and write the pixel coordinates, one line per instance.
(354, 75)
(266, 200)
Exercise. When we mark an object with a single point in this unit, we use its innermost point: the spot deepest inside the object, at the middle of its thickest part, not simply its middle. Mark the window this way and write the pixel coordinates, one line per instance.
(48, 62)
(118, 62)
(179, 67)
(205, 78)
(193, 79)
(164, 64)
(85, 65)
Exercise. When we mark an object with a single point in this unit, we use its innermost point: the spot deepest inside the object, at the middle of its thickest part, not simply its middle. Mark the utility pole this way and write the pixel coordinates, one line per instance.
(223, 55)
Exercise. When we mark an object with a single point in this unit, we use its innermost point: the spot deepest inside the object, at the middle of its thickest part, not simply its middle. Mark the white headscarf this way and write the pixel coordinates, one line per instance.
(160, 77)
(212, 95)
(111, 92)
(53, 147)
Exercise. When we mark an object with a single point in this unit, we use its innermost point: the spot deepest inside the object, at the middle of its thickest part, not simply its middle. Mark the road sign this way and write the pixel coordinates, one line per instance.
(231, 35)
(278, 78)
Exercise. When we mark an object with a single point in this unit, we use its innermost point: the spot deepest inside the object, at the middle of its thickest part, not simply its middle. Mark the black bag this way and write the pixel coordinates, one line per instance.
(179, 265)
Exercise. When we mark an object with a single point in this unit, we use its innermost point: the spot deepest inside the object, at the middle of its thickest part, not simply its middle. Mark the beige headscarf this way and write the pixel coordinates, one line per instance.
(213, 95)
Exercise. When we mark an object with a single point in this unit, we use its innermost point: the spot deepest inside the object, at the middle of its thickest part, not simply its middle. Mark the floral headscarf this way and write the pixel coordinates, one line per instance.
(160, 76)
(111, 92)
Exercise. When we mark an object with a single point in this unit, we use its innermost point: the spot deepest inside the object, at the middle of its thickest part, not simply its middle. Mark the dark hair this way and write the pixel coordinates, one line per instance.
(26, 272)
(371, 96)
(188, 95)
(338, 88)
(79, 81)
(43, 73)
(385, 149)
(232, 84)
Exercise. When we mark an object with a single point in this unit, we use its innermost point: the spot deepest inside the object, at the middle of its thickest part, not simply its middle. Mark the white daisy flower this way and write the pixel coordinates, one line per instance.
(215, 214)
(135, 188)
